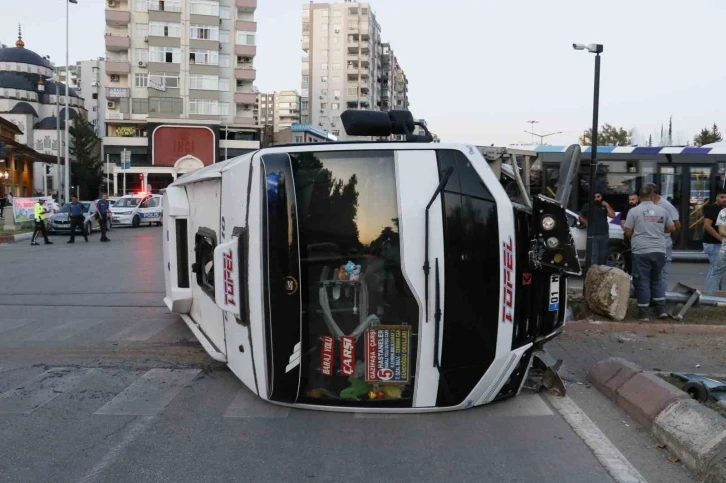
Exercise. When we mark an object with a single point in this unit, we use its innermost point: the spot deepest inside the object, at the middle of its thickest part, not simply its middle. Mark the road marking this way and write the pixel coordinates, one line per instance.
(604, 450)
(40, 390)
(65, 331)
(144, 330)
(247, 405)
(12, 324)
(150, 393)
(140, 425)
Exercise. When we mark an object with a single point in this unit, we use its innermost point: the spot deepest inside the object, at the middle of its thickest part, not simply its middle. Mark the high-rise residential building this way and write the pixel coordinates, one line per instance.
(278, 109)
(88, 79)
(179, 86)
(342, 66)
(394, 84)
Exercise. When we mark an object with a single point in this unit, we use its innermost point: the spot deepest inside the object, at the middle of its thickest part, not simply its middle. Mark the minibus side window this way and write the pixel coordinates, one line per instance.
(205, 241)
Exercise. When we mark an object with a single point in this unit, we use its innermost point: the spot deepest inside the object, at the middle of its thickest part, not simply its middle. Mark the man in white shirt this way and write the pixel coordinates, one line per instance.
(658, 200)
(719, 268)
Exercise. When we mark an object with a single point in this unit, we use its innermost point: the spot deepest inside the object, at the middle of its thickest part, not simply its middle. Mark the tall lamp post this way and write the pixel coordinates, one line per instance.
(542, 136)
(67, 173)
(597, 50)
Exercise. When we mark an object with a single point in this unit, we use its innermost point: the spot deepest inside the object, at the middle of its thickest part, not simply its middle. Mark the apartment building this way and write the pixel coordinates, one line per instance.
(179, 86)
(278, 109)
(394, 84)
(342, 66)
(88, 79)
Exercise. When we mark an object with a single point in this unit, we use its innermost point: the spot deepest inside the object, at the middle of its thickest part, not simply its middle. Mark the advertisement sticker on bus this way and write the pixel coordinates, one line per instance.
(347, 356)
(387, 354)
(327, 349)
(508, 308)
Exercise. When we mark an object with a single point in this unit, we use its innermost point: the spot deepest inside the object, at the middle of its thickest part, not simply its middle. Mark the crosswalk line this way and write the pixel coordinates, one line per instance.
(141, 331)
(40, 390)
(6, 325)
(150, 393)
(247, 405)
(65, 331)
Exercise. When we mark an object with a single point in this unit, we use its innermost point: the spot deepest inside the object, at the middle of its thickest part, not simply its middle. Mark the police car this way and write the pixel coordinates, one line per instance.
(137, 209)
(371, 277)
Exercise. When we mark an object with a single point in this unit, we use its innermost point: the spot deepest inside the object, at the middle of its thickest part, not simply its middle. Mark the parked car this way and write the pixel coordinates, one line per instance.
(137, 209)
(619, 250)
(60, 223)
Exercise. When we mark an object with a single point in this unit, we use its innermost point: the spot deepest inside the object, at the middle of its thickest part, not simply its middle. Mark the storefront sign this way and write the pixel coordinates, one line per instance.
(117, 93)
(171, 143)
(326, 355)
(347, 356)
(156, 85)
(24, 208)
(387, 354)
(114, 115)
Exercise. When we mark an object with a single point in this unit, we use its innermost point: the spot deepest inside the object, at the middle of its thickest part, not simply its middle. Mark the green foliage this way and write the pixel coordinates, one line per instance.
(85, 148)
(608, 136)
(707, 136)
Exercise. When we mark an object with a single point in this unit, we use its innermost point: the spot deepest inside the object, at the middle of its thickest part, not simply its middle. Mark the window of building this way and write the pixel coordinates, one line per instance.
(335, 106)
(140, 106)
(334, 40)
(324, 53)
(298, 139)
(336, 132)
(204, 107)
(336, 13)
(204, 82)
(324, 78)
(323, 105)
(336, 66)
(141, 55)
(205, 7)
(94, 95)
(165, 5)
(245, 38)
(336, 79)
(167, 105)
(305, 78)
(141, 80)
(304, 105)
(223, 108)
(171, 55)
(224, 60)
(225, 12)
(305, 39)
(204, 32)
(224, 84)
(142, 5)
(95, 108)
(324, 92)
(204, 57)
(167, 79)
(324, 66)
(124, 106)
(224, 36)
(306, 27)
(336, 27)
(165, 29)
(142, 30)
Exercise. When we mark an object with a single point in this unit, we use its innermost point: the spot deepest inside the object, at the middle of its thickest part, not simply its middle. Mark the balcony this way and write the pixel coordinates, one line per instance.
(117, 67)
(245, 98)
(245, 121)
(245, 73)
(246, 25)
(353, 46)
(245, 50)
(117, 43)
(117, 18)
(246, 4)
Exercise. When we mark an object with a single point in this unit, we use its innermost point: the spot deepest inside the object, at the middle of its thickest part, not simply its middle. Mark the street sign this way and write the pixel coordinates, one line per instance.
(125, 159)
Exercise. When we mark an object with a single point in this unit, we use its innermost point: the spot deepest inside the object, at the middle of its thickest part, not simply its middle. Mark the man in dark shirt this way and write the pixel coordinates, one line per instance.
(711, 237)
(75, 215)
(601, 228)
(104, 210)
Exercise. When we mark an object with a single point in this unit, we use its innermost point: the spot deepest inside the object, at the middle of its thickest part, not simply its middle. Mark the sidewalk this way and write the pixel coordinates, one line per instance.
(15, 238)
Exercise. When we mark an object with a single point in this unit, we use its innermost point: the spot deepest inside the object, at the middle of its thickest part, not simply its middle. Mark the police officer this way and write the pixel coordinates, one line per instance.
(75, 215)
(39, 212)
(104, 210)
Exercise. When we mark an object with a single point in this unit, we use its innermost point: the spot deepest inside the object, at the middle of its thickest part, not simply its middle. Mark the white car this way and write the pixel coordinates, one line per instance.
(619, 249)
(137, 209)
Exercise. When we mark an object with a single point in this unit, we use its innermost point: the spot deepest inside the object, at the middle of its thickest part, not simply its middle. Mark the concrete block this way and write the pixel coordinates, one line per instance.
(609, 374)
(645, 395)
(697, 435)
(607, 291)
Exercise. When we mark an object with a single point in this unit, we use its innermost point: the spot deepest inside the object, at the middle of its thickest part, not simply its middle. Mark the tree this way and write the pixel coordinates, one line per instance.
(85, 149)
(707, 136)
(608, 136)
(650, 140)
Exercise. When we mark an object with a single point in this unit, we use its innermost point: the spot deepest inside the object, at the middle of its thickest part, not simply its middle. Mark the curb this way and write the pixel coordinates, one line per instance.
(15, 238)
(694, 433)
(645, 328)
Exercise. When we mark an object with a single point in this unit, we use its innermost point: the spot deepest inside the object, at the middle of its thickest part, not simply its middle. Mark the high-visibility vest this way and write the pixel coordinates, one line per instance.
(39, 212)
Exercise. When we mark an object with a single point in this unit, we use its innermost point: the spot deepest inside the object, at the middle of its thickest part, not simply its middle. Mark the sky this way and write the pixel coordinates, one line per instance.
(479, 70)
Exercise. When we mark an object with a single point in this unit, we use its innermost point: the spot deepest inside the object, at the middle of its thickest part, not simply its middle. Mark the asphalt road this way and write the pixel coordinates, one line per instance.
(99, 383)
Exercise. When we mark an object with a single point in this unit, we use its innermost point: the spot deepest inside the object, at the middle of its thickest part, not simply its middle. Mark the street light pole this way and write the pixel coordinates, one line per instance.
(597, 50)
(531, 131)
(68, 82)
(542, 136)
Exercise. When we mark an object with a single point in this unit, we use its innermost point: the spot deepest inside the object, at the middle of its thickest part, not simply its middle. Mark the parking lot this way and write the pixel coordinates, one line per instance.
(99, 382)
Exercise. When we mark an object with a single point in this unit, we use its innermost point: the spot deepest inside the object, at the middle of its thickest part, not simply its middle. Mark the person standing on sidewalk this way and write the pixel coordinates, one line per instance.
(711, 237)
(714, 283)
(601, 228)
(104, 210)
(633, 201)
(675, 216)
(75, 215)
(645, 226)
(39, 212)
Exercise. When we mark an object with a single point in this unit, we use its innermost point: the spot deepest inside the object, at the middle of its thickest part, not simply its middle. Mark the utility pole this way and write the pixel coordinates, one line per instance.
(531, 129)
